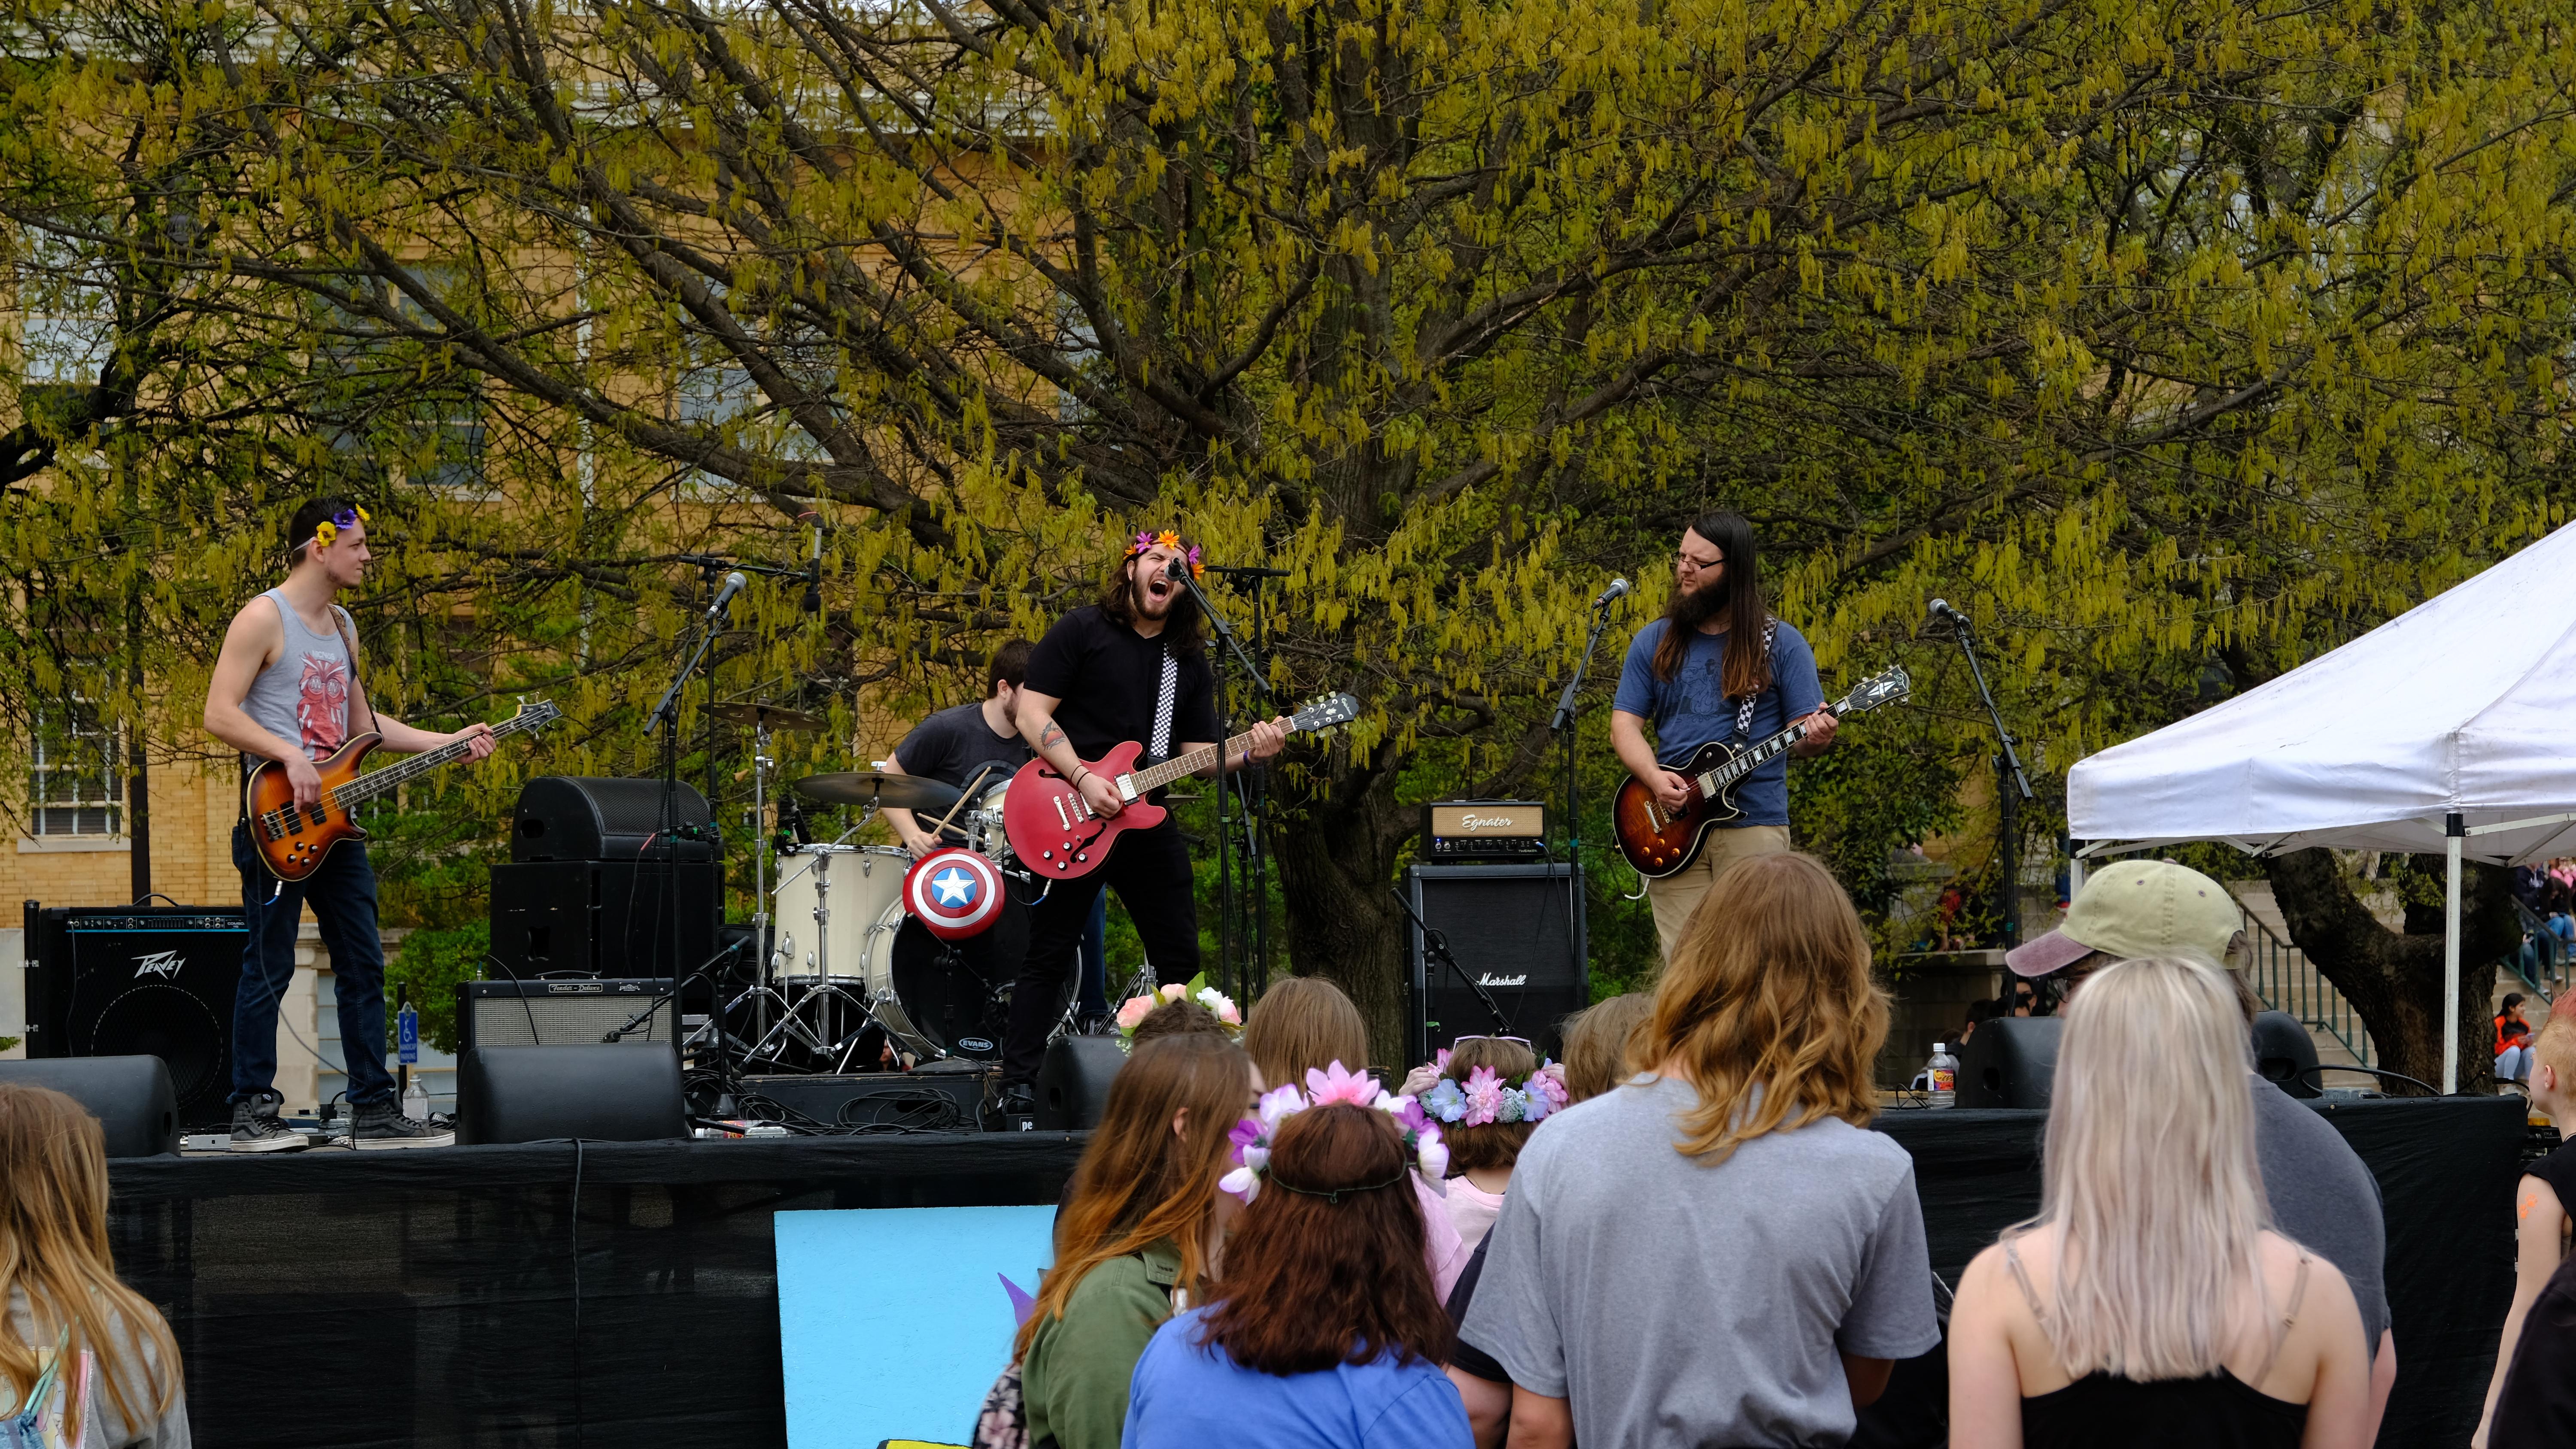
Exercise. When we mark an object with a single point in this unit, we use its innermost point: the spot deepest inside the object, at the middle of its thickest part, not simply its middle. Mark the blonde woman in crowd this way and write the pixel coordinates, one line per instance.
(85, 1360)
(2150, 1303)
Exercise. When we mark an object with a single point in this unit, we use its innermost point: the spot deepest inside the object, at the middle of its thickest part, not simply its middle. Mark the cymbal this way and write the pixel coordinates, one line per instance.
(776, 716)
(868, 787)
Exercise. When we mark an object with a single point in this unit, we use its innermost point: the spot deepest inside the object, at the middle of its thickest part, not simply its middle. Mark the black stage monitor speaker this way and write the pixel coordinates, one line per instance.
(130, 1097)
(1073, 1082)
(923, 1101)
(605, 918)
(1519, 930)
(2285, 1054)
(585, 817)
(566, 1013)
(151, 981)
(539, 1093)
(2009, 1062)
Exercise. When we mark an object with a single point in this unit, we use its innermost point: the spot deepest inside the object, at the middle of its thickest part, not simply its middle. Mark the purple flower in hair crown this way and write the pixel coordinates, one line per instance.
(1168, 538)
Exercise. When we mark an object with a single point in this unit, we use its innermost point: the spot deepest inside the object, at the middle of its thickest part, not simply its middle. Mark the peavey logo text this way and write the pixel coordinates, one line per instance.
(1490, 979)
(164, 964)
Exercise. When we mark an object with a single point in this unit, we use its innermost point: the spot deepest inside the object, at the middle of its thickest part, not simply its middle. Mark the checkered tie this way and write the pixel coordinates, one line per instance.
(1160, 747)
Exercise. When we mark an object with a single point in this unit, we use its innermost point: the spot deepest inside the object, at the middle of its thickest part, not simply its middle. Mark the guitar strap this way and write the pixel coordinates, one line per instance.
(340, 620)
(1159, 748)
(1744, 711)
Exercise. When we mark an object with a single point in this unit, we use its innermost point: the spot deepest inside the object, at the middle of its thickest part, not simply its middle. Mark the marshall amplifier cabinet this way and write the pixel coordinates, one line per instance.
(1516, 931)
(1454, 830)
(129, 981)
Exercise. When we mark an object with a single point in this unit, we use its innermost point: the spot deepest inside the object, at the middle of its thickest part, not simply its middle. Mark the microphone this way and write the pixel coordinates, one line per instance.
(1618, 589)
(703, 560)
(733, 584)
(1941, 610)
(812, 603)
(1178, 570)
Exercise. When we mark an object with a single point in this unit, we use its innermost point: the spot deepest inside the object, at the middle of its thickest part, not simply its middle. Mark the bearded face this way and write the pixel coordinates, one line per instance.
(1151, 589)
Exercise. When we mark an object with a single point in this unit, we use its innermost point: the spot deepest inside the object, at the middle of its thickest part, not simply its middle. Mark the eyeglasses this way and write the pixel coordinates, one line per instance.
(1521, 1040)
(1688, 564)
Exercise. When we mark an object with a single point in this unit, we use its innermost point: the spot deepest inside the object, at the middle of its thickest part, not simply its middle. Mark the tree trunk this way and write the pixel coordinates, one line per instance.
(2394, 979)
(1336, 870)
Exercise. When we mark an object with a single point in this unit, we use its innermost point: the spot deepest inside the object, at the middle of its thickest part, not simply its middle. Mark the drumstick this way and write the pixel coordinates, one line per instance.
(962, 797)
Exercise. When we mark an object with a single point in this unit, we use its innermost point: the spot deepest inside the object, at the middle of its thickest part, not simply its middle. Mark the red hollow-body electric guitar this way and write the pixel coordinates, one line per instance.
(1659, 842)
(1055, 832)
(292, 841)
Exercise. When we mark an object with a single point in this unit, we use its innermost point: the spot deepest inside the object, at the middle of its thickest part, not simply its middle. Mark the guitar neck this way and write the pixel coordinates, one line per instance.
(377, 782)
(1179, 766)
(1739, 766)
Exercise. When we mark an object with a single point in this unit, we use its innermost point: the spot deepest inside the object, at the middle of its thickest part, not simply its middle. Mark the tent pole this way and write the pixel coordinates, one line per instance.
(2454, 833)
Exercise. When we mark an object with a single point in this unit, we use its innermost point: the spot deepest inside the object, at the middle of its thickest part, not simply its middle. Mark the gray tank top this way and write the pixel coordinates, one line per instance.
(304, 696)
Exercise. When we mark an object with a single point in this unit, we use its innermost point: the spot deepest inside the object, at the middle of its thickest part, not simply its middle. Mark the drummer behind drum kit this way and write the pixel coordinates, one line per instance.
(865, 936)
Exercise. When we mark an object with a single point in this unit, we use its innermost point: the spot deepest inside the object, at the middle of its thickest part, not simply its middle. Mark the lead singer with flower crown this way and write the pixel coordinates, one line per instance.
(1131, 667)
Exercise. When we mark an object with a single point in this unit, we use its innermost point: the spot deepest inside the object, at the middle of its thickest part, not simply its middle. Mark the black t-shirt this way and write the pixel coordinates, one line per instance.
(953, 744)
(2558, 1169)
(2537, 1407)
(1108, 677)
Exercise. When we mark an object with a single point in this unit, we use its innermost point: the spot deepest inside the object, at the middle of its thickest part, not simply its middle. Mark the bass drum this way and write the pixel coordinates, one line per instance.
(945, 998)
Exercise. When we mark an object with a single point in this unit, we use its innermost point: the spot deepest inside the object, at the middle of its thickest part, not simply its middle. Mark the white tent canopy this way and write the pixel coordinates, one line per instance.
(2464, 705)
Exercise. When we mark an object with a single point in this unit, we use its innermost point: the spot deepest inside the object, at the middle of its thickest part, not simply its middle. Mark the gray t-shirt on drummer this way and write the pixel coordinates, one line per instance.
(953, 744)
(1680, 1304)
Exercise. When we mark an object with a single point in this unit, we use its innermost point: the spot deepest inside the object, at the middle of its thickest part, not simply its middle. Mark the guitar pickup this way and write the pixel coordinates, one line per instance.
(1127, 788)
(1061, 818)
(320, 815)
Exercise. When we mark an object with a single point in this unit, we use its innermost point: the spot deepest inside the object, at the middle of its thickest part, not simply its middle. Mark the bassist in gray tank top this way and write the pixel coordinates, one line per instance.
(286, 688)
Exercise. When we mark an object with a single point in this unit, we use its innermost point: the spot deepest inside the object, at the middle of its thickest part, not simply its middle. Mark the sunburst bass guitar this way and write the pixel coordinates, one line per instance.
(292, 841)
(1660, 842)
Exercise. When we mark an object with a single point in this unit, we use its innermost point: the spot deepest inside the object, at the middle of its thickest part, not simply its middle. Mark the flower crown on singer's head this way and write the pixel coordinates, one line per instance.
(1487, 1097)
(1325, 1087)
(1168, 538)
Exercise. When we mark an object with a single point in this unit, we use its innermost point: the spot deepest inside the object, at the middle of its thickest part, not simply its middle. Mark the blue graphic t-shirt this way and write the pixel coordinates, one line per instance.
(1692, 709)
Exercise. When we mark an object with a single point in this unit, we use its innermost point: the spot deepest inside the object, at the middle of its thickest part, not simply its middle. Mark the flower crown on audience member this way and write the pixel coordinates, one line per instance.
(1487, 1096)
(1167, 539)
(1135, 1009)
(1324, 1088)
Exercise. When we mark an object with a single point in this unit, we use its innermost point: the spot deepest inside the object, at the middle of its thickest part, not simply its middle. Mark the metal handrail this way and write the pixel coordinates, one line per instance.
(2303, 993)
(2554, 954)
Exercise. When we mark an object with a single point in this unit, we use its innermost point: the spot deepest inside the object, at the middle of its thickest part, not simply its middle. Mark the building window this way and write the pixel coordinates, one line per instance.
(75, 787)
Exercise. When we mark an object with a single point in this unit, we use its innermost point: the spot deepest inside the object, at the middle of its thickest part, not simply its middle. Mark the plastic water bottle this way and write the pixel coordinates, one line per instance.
(1944, 1072)
(415, 1101)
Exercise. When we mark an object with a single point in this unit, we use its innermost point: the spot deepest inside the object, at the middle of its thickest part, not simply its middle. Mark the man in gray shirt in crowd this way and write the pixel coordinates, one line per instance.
(2321, 1195)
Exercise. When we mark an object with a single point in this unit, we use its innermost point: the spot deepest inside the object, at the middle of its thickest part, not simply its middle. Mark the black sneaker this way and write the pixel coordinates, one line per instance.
(256, 1127)
(374, 1128)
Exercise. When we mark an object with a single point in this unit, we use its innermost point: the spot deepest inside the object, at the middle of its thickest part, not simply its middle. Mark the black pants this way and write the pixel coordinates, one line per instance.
(1150, 870)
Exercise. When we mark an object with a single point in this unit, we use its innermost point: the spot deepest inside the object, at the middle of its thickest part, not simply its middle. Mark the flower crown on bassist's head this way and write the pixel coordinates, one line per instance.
(1168, 538)
(329, 528)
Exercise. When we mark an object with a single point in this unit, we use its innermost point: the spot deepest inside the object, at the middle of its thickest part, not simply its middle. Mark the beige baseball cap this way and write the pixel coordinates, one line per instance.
(2135, 908)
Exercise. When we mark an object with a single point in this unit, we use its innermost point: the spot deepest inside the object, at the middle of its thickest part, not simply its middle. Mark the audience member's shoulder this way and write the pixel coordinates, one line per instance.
(2283, 1121)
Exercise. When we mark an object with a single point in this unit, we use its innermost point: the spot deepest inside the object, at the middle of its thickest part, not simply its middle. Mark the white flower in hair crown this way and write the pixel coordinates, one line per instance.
(1133, 1011)
(1324, 1087)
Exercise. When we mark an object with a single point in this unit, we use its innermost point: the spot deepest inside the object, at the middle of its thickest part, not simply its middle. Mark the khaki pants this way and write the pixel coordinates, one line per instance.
(1677, 895)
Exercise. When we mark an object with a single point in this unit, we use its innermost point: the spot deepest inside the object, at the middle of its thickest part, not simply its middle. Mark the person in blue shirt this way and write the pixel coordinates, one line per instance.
(1717, 666)
(1323, 1330)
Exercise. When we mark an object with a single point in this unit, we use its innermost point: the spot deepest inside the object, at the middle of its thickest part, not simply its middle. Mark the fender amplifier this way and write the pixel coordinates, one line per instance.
(581, 1012)
(1484, 830)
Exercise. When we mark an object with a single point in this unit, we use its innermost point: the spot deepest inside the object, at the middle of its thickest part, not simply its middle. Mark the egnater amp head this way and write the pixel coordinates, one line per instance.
(1484, 830)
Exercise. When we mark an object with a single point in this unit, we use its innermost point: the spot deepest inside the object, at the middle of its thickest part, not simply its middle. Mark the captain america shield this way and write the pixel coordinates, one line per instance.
(955, 892)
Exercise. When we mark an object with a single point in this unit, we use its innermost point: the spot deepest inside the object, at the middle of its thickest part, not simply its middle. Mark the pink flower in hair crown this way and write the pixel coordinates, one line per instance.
(1484, 1096)
(1341, 1084)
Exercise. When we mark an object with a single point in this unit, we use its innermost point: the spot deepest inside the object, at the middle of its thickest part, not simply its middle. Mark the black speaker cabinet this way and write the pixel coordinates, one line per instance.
(140, 981)
(130, 1096)
(605, 918)
(2009, 1062)
(585, 817)
(540, 1093)
(1073, 1082)
(1518, 930)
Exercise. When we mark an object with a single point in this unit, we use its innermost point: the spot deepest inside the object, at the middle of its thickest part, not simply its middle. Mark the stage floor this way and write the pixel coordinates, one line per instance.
(626, 1293)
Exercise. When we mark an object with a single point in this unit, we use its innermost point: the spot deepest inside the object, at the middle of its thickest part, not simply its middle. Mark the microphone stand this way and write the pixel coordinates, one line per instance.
(1436, 947)
(1225, 634)
(666, 718)
(1561, 725)
(2011, 785)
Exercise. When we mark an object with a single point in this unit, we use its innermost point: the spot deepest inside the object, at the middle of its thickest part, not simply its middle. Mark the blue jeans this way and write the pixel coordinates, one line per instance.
(343, 896)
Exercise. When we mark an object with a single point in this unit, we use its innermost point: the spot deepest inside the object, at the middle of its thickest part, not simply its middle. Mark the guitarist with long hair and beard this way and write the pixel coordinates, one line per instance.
(1131, 667)
(286, 688)
(1717, 666)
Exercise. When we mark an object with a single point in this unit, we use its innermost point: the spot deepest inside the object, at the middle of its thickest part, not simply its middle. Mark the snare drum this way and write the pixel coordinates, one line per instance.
(856, 884)
(944, 1003)
(984, 824)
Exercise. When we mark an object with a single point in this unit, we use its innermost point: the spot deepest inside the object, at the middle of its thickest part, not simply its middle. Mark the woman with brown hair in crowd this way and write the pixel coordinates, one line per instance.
(1139, 1238)
(85, 1359)
(1325, 1332)
(1305, 1024)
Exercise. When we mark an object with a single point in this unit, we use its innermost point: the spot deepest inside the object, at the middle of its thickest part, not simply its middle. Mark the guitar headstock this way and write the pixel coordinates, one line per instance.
(534, 714)
(1885, 687)
(1325, 711)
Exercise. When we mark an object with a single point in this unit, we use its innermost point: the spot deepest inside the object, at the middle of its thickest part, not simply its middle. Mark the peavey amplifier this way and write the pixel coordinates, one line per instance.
(140, 981)
(1484, 830)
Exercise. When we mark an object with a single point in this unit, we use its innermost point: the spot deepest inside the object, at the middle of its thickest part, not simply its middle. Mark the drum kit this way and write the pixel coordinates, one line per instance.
(874, 954)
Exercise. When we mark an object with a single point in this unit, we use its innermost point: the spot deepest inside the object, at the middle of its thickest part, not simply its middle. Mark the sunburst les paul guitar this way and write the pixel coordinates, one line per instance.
(292, 840)
(1055, 832)
(1661, 842)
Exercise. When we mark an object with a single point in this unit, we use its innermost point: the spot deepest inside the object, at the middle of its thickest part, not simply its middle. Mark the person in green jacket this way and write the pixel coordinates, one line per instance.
(1139, 1238)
